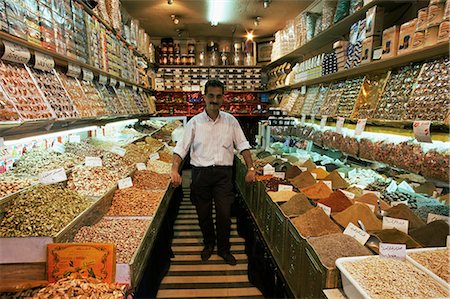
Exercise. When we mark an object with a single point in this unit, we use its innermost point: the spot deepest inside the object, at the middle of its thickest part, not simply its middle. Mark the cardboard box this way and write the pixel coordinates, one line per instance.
(418, 40)
(431, 36)
(422, 19)
(390, 42)
(406, 35)
(368, 45)
(444, 31)
(87, 259)
(435, 14)
(340, 44)
(374, 21)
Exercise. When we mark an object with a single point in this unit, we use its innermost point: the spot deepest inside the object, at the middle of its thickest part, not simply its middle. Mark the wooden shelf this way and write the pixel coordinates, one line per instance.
(226, 91)
(162, 66)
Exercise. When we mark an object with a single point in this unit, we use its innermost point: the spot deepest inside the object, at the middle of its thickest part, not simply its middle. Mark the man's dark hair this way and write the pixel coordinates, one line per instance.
(214, 83)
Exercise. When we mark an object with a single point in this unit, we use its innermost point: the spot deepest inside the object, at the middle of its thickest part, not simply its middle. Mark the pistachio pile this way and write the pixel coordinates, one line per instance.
(83, 149)
(92, 181)
(10, 184)
(117, 164)
(42, 210)
(149, 180)
(134, 202)
(159, 166)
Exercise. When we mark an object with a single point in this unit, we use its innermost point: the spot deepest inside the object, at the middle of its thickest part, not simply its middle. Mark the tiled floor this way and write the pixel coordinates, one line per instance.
(190, 277)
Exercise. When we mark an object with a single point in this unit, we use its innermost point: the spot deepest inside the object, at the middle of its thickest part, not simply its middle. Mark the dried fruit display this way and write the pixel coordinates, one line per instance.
(331, 102)
(8, 111)
(134, 202)
(116, 164)
(10, 184)
(371, 91)
(92, 181)
(138, 152)
(349, 95)
(111, 100)
(149, 180)
(96, 104)
(154, 144)
(83, 149)
(321, 96)
(79, 99)
(159, 166)
(311, 96)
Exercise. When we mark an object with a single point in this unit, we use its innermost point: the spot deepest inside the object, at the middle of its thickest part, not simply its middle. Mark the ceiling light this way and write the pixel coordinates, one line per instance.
(175, 20)
(214, 23)
(257, 21)
(267, 3)
(250, 35)
(221, 11)
(170, 2)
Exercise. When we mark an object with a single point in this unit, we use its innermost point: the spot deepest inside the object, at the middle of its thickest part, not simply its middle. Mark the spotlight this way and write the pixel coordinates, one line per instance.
(250, 35)
(257, 21)
(214, 23)
(175, 20)
(267, 3)
(170, 2)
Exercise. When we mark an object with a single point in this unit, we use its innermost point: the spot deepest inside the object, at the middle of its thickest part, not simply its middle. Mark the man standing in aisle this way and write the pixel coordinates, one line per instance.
(211, 137)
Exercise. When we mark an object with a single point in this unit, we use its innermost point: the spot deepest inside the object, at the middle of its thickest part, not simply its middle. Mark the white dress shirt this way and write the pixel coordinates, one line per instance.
(212, 143)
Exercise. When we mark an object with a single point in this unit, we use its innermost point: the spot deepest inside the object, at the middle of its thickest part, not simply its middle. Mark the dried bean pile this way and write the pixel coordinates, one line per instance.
(10, 184)
(92, 181)
(437, 261)
(134, 202)
(149, 180)
(125, 233)
(42, 211)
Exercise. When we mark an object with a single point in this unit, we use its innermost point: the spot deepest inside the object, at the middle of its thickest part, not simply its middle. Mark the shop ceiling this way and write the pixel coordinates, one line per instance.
(235, 17)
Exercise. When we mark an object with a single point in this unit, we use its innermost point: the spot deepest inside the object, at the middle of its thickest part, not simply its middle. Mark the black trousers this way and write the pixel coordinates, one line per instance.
(208, 184)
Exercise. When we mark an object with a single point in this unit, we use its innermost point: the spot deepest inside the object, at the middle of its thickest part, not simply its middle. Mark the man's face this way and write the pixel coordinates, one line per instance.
(213, 98)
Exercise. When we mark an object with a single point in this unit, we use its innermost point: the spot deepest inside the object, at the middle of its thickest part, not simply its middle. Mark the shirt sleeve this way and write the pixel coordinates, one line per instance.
(183, 145)
(239, 139)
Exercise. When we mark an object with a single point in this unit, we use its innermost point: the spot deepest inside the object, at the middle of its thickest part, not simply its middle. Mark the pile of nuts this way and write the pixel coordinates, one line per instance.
(10, 184)
(437, 261)
(134, 202)
(92, 181)
(126, 234)
(42, 210)
(165, 157)
(83, 149)
(137, 152)
(117, 164)
(149, 180)
(154, 144)
(159, 166)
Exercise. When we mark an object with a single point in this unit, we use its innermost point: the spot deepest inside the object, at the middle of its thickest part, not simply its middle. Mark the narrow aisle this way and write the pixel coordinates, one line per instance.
(190, 277)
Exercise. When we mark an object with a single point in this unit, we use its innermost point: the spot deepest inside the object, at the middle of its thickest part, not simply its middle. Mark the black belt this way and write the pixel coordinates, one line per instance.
(212, 166)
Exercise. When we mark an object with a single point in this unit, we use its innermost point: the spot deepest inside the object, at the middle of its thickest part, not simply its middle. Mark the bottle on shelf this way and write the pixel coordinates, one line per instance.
(201, 57)
(237, 57)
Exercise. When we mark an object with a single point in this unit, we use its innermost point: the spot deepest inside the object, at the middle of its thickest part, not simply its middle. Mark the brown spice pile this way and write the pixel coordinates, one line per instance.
(372, 199)
(426, 188)
(358, 212)
(296, 206)
(337, 201)
(434, 234)
(321, 173)
(281, 196)
(303, 180)
(402, 211)
(293, 172)
(309, 164)
(315, 223)
(336, 180)
(134, 202)
(272, 184)
(317, 191)
(396, 237)
(437, 261)
(149, 180)
(165, 157)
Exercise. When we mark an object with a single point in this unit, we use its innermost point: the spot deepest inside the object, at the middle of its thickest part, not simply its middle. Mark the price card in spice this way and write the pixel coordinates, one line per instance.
(74, 138)
(53, 176)
(268, 170)
(323, 121)
(280, 175)
(141, 166)
(154, 156)
(400, 224)
(356, 233)
(125, 183)
(73, 70)
(325, 208)
(360, 125)
(285, 187)
(339, 124)
(58, 147)
(43, 62)
(422, 131)
(397, 251)
(433, 217)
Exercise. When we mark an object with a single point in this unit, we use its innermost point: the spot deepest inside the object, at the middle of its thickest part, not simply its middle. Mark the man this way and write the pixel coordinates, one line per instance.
(210, 137)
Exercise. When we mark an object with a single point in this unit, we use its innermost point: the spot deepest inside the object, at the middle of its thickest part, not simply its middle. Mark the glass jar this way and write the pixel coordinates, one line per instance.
(191, 48)
(201, 58)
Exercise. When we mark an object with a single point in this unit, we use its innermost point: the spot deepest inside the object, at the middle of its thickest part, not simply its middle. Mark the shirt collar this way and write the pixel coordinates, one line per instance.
(206, 116)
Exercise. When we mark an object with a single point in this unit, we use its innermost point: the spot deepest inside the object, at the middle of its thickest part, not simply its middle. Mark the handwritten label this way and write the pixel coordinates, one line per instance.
(285, 187)
(268, 170)
(313, 118)
(15, 53)
(422, 131)
(88, 75)
(339, 124)
(118, 150)
(154, 156)
(373, 192)
(325, 208)
(125, 183)
(73, 70)
(356, 233)
(53, 176)
(396, 203)
(314, 175)
(141, 166)
(4, 153)
(58, 147)
(280, 175)
(74, 138)
(43, 62)
(102, 79)
(397, 251)
(328, 183)
(303, 169)
(303, 120)
(121, 84)
(350, 195)
(400, 224)
(93, 161)
(433, 217)
(112, 82)
(323, 121)
(360, 125)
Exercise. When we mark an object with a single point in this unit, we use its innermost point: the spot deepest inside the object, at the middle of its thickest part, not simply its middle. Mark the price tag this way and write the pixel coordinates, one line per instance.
(119, 150)
(371, 207)
(352, 173)
(422, 131)
(392, 187)
(323, 167)
(43, 62)
(2, 141)
(285, 187)
(313, 118)
(15, 53)
(400, 224)
(342, 174)
(134, 87)
(397, 251)
(396, 203)
(141, 166)
(303, 89)
(448, 241)
(88, 75)
(280, 175)
(112, 82)
(323, 121)
(303, 169)
(74, 138)
(268, 170)
(73, 70)
(102, 79)
(404, 186)
(58, 147)
(140, 90)
(325, 208)
(433, 217)
(4, 153)
(339, 124)
(93, 161)
(349, 195)
(121, 84)
(154, 156)
(125, 183)
(314, 175)
(378, 194)
(328, 183)
(53, 176)
(356, 233)
(360, 125)
(303, 120)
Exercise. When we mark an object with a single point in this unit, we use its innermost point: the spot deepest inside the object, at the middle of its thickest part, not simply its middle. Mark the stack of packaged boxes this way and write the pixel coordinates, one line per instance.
(374, 27)
(79, 17)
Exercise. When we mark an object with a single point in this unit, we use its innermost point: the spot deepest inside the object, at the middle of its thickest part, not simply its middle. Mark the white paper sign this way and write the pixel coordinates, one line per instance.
(371, 207)
(141, 166)
(400, 224)
(268, 170)
(43, 62)
(433, 217)
(303, 169)
(378, 194)
(422, 130)
(323, 167)
(339, 124)
(58, 147)
(88, 75)
(356, 233)
(325, 208)
(392, 187)
(329, 184)
(360, 125)
(121, 84)
(4, 153)
(396, 203)
(303, 120)
(323, 121)
(313, 118)
(448, 241)
(102, 79)
(15, 53)
(314, 175)
(53, 176)
(154, 156)
(125, 183)
(134, 87)
(342, 174)
(349, 195)
(2, 141)
(280, 175)
(73, 70)
(112, 82)
(119, 150)
(397, 251)
(93, 161)
(285, 187)
(74, 138)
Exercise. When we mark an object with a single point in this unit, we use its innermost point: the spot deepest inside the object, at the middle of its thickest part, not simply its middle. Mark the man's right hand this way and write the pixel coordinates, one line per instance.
(176, 178)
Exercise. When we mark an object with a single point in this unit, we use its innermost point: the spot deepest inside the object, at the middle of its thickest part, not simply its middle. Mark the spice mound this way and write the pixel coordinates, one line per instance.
(42, 210)
(437, 261)
(358, 212)
(305, 179)
(372, 199)
(395, 236)
(281, 196)
(134, 202)
(391, 278)
(320, 172)
(309, 164)
(434, 234)
(165, 157)
(92, 181)
(126, 234)
(315, 223)
(293, 172)
(149, 180)
(402, 211)
(296, 206)
(337, 201)
(317, 191)
(331, 247)
(336, 180)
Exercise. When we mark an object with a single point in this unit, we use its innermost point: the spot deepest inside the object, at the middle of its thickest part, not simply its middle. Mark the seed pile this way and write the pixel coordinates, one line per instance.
(296, 206)
(165, 157)
(159, 166)
(115, 163)
(137, 152)
(358, 212)
(437, 261)
(92, 181)
(134, 202)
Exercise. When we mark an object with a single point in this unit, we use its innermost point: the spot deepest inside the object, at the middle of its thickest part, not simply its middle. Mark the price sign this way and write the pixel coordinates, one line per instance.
(422, 131)
(121, 84)
(396, 203)
(303, 120)
(15, 53)
(280, 175)
(102, 79)
(93, 162)
(2, 141)
(134, 87)
(323, 121)
(360, 125)
(88, 75)
(322, 167)
(74, 138)
(73, 70)
(313, 118)
(154, 156)
(43, 62)
(397, 251)
(356, 233)
(433, 217)
(268, 170)
(53, 176)
(285, 187)
(141, 166)
(125, 183)
(112, 82)
(400, 224)
(328, 183)
(325, 208)
(314, 175)
(303, 89)
(118, 150)
(303, 169)
(339, 124)
(349, 195)
(58, 147)
(4, 153)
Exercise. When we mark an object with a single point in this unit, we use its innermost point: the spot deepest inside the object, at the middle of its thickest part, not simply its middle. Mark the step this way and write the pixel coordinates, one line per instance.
(205, 279)
(188, 234)
(199, 240)
(194, 227)
(205, 285)
(214, 257)
(199, 248)
(208, 262)
(209, 293)
(207, 267)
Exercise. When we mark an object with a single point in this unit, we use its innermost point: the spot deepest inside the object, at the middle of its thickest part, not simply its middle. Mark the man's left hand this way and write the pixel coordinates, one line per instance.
(250, 176)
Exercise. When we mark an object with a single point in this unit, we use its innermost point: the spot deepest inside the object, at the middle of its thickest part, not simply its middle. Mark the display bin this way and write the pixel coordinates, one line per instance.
(278, 233)
(255, 198)
(259, 202)
(249, 191)
(266, 217)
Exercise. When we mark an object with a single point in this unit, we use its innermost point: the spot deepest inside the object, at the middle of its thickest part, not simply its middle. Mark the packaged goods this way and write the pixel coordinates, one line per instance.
(317, 191)
(434, 234)
(418, 40)
(444, 32)
(342, 10)
(431, 36)
(406, 36)
(297, 205)
(358, 212)
(134, 202)
(328, 9)
(315, 223)
(337, 201)
(390, 42)
(435, 14)
(422, 19)
(374, 21)
(368, 46)
(436, 261)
